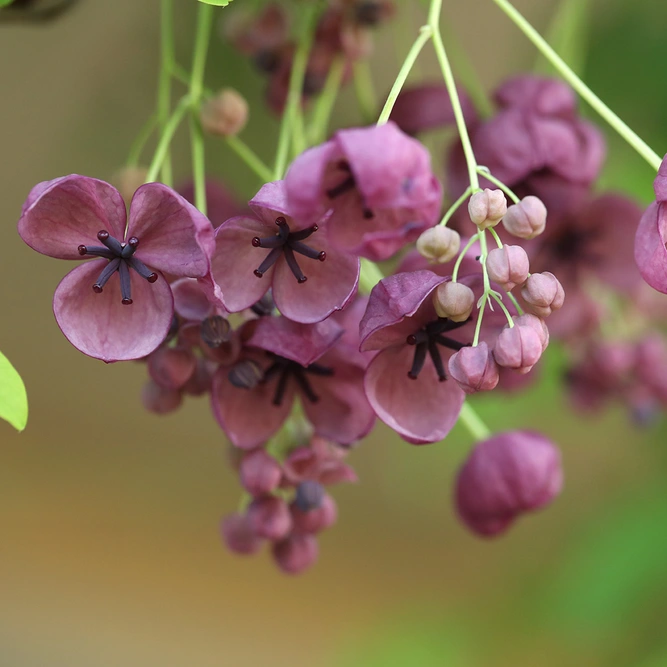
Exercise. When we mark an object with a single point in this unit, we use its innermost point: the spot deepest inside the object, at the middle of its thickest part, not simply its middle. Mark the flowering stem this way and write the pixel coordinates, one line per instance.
(586, 93)
(167, 135)
(495, 236)
(164, 82)
(454, 207)
(480, 317)
(484, 171)
(512, 298)
(140, 141)
(499, 299)
(370, 276)
(365, 91)
(462, 254)
(473, 422)
(424, 35)
(317, 132)
(251, 159)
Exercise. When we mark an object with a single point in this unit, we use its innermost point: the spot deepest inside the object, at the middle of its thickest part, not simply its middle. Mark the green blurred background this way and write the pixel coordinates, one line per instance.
(109, 546)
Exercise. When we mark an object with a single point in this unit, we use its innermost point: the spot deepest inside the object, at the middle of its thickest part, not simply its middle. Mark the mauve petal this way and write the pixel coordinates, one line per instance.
(248, 416)
(100, 325)
(330, 285)
(303, 183)
(660, 182)
(235, 259)
(271, 202)
(174, 236)
(420, 411)
(650, 251)
(343, 413)
(190, 300)
(303, 343)
(62, 214)
(546, 96)
(392, 301)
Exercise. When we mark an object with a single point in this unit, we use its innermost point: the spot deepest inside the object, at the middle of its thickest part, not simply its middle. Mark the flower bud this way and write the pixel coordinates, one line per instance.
(295, 554)
(270, 517)
(505, 476)
(260, 473)
(225, 114)
(215, 331)
(543, 293)
(439, 244)
(527, 219)
(128, 179)
(486, 208)
(159, 400)
(518, 347)
(537, 324)
(474, 368)
(314, 519)
(453, 300)
(239, 536)
(171, 367)
(508, 266)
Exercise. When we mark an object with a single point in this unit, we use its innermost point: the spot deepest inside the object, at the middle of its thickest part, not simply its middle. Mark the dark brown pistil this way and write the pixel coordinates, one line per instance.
(283, 369)
(428, 340)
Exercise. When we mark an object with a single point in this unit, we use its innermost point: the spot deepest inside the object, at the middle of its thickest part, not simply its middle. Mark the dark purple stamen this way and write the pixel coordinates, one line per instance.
(427, 340)
(285, 368)
(288, 243)
(121, 259)
(345, 186)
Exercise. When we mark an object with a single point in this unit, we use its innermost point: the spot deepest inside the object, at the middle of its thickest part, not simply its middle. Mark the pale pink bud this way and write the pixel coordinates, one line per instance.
(439, 244)
(518, 347)
(171, 367)
(537, 324)
(486, 208)
(508, 266)
(527, 219)
(260, 473)
(159, 400)
(270, 517)
(474, 368)
(225, 114)
(239, 536)
(453, 300)
(295, 554)
(543, 293)
(505, 476)
(315, 519)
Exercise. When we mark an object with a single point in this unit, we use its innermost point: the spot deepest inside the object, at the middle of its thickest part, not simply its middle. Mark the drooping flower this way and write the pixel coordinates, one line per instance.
(378, 184)
(265, 251)
(505, 476)
(74, 217)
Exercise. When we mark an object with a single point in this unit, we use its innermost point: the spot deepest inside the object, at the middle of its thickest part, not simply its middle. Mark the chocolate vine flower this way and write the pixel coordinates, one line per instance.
(117, 306)
(406, 382)
(376, 181)
(309, 279)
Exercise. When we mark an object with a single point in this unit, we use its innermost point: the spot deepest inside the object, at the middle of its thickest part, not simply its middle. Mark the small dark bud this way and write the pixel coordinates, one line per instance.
(309, 495)
(245, 375)
(215, 331)
(264, 306)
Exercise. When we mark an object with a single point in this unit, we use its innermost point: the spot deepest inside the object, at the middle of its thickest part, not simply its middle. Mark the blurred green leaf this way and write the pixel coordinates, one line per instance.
(5, 3)
(217, 3)
(13, 398)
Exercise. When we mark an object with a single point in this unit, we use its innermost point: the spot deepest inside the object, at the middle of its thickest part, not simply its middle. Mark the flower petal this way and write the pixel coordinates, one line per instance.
(190, 300)
(420, 411)
(62, 214)
(330, 285)
(174, 236)
(650, 251)
(100, 325)
(270, 202)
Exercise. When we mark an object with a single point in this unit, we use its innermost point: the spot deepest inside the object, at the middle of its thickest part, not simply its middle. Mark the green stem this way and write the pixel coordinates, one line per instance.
(462, 254)
(496, 238)
(167, 135)
(250, 158)
(499, 300)
(454, 207)
(424, 35)
(512, 298)
(317, 132)
(365, 91)
(140, 141)
(164, 81)
(370, 276)
(484, 172)
(586, 93)
(473, 422)
(198, 162)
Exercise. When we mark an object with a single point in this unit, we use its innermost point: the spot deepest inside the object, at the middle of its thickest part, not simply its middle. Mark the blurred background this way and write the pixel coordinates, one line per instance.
(110, 553)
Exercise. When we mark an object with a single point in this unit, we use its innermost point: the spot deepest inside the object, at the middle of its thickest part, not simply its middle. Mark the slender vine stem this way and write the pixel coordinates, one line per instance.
(485, 173)
(317, 132)
(167, 134)
(365, 91)
(499, 300)
(251, 159)
(140, 141)
(164, 80)
(455, 206)
(473, 239)
(473, 422)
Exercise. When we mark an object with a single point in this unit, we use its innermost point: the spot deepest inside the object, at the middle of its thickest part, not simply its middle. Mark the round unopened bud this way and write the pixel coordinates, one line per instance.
(225, 114)
(537, 324)
(508, 266)
(439, 244)
(518, 347)
(239, 536)
(159, 400)
(171, 367)
(543, 293)
(270, 517)
(245, 374)
(128, 180)
(316, 518)
(486, 208)
(215, 331)
(474, 368)
(527, 219)
(453, 300)
(260, 473)
(295, 554)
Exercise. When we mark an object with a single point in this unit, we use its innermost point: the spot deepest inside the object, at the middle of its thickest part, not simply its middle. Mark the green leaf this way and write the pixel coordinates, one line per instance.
(216, 3)
(5, 3)
(13, 398)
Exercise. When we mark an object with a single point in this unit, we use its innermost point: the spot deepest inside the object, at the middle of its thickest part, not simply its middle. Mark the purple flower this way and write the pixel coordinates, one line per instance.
(378, 184)
(406, 382)
(650, 246)
(505, 476)
(269, 251)
(77, 216)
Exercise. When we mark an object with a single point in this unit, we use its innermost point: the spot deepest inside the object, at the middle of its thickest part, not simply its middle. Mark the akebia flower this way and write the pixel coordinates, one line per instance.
(118, 305)
(376, 181)
(309, 279)
(406, 382)
(505, 476)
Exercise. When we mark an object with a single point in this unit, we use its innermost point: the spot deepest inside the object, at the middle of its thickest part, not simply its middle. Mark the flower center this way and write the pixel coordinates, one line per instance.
(287, 242)
(345, 186)
(283, 369)
(428, 340)
(120, 256)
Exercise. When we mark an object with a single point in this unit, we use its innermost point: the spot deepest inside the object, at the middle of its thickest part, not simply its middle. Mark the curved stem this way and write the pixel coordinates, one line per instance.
(473, 422)
(142, 138)
(495, 236)
(167, 135)
(317, 132)
(586, 93)
(250, 158)
(454, 207)
(499, 300)
(164, 82)
(484, 172)
(462, 254)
